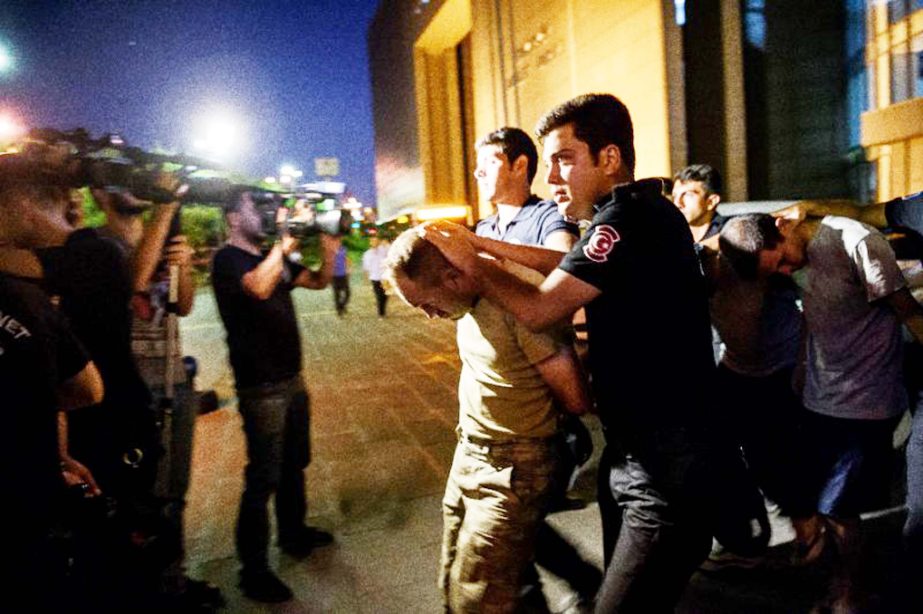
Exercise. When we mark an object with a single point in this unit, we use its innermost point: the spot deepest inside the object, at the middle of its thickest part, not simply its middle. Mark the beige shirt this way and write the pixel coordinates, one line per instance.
(501, 394)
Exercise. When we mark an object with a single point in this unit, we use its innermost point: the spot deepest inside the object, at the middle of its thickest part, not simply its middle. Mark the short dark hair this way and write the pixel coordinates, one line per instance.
(412, 256)
(666, 186)
(513, 142)
(235, 199)
(703, 173)
(744, 237)
(599, 120)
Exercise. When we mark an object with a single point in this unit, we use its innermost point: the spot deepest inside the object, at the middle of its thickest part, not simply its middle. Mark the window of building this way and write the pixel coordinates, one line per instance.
(901, 83)
(898, 9)
(679, 7)
(755, 23)
(857, 78)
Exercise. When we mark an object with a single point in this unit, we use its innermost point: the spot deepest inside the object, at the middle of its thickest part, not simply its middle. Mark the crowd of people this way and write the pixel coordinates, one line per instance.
(735, 363)
(732, 361)
(102, 402)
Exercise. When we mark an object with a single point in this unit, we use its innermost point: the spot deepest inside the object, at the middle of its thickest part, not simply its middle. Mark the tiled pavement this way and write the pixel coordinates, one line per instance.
(383, 413)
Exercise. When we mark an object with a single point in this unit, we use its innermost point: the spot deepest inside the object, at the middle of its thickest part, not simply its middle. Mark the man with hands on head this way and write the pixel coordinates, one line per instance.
(507, 467)
(662, 476)
(856, 301)
(253, 290)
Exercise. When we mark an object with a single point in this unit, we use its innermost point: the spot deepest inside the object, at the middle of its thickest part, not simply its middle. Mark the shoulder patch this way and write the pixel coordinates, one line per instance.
(601, 243)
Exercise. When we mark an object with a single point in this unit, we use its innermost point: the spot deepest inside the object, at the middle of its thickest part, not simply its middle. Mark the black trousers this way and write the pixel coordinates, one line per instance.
(651, 549)
(340, 293)
(380, 297)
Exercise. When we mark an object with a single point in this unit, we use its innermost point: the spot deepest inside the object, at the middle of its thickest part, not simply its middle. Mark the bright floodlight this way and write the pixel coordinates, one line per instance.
(218, 135)
(9, 128)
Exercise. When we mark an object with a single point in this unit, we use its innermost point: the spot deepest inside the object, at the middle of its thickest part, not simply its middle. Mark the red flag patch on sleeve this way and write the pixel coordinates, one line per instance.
(601, 243)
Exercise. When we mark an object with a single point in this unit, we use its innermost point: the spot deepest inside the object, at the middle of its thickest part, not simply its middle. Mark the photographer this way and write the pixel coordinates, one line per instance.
(42, 369)
(118, 556)
(155, 257)
(253, 291)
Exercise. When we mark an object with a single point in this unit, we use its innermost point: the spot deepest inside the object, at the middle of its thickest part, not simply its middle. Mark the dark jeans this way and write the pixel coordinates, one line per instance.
(761, 415)
(380, 297)
(557, 555)
(276, 424)
(651, 548)
(340, 293)
(847, 465)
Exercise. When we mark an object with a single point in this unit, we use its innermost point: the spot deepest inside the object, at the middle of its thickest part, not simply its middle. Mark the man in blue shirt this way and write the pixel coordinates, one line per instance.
(507, 162)
(340, 280)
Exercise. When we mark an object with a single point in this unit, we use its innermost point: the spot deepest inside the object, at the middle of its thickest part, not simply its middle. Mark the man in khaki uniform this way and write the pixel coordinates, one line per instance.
(507, 464)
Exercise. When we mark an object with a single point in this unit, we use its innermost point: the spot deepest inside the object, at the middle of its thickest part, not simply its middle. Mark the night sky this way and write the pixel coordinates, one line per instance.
(292, 76)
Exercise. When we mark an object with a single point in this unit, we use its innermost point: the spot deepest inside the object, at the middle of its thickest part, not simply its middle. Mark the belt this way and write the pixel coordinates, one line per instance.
(484, 442)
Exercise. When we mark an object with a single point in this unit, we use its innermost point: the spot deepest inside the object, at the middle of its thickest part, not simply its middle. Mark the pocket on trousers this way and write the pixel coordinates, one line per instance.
(531, 484)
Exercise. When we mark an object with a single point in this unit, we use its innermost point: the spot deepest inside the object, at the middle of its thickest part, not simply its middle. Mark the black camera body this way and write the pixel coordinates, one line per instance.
(309, 214)
(74, 159)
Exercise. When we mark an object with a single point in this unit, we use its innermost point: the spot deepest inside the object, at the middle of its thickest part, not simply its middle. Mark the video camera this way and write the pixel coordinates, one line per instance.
(310, 213)
(74, 159)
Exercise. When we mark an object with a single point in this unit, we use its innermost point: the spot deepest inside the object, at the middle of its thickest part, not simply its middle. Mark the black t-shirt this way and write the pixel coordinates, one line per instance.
(37, 353)
(91, 275)
(262, 336)
(650, 350)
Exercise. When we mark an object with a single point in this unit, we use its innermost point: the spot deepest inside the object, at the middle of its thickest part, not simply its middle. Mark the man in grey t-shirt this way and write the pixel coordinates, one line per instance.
(855, 300)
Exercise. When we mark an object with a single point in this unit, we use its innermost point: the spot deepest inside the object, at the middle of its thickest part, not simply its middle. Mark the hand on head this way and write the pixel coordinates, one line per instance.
(454, 241)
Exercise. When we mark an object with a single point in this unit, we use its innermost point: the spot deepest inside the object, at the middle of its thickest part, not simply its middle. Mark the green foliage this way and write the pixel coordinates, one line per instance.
(203, 226)
(93, 216)
(356, 242)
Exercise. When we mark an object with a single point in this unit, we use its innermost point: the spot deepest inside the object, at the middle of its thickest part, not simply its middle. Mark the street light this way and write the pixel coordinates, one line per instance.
(10, 128)
(288, 174)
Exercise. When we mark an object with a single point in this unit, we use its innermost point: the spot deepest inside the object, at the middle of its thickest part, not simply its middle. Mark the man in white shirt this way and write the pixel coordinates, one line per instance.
(373, 266)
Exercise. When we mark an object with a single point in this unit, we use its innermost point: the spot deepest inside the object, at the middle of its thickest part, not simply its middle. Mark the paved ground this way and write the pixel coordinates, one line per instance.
(383, 411)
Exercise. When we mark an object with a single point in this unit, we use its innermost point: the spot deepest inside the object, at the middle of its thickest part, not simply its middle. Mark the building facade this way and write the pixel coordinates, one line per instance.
(892, 128)
(757, 88)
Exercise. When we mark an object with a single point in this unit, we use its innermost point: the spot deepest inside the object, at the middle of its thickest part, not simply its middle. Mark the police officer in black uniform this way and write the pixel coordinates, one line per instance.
(666, 481)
